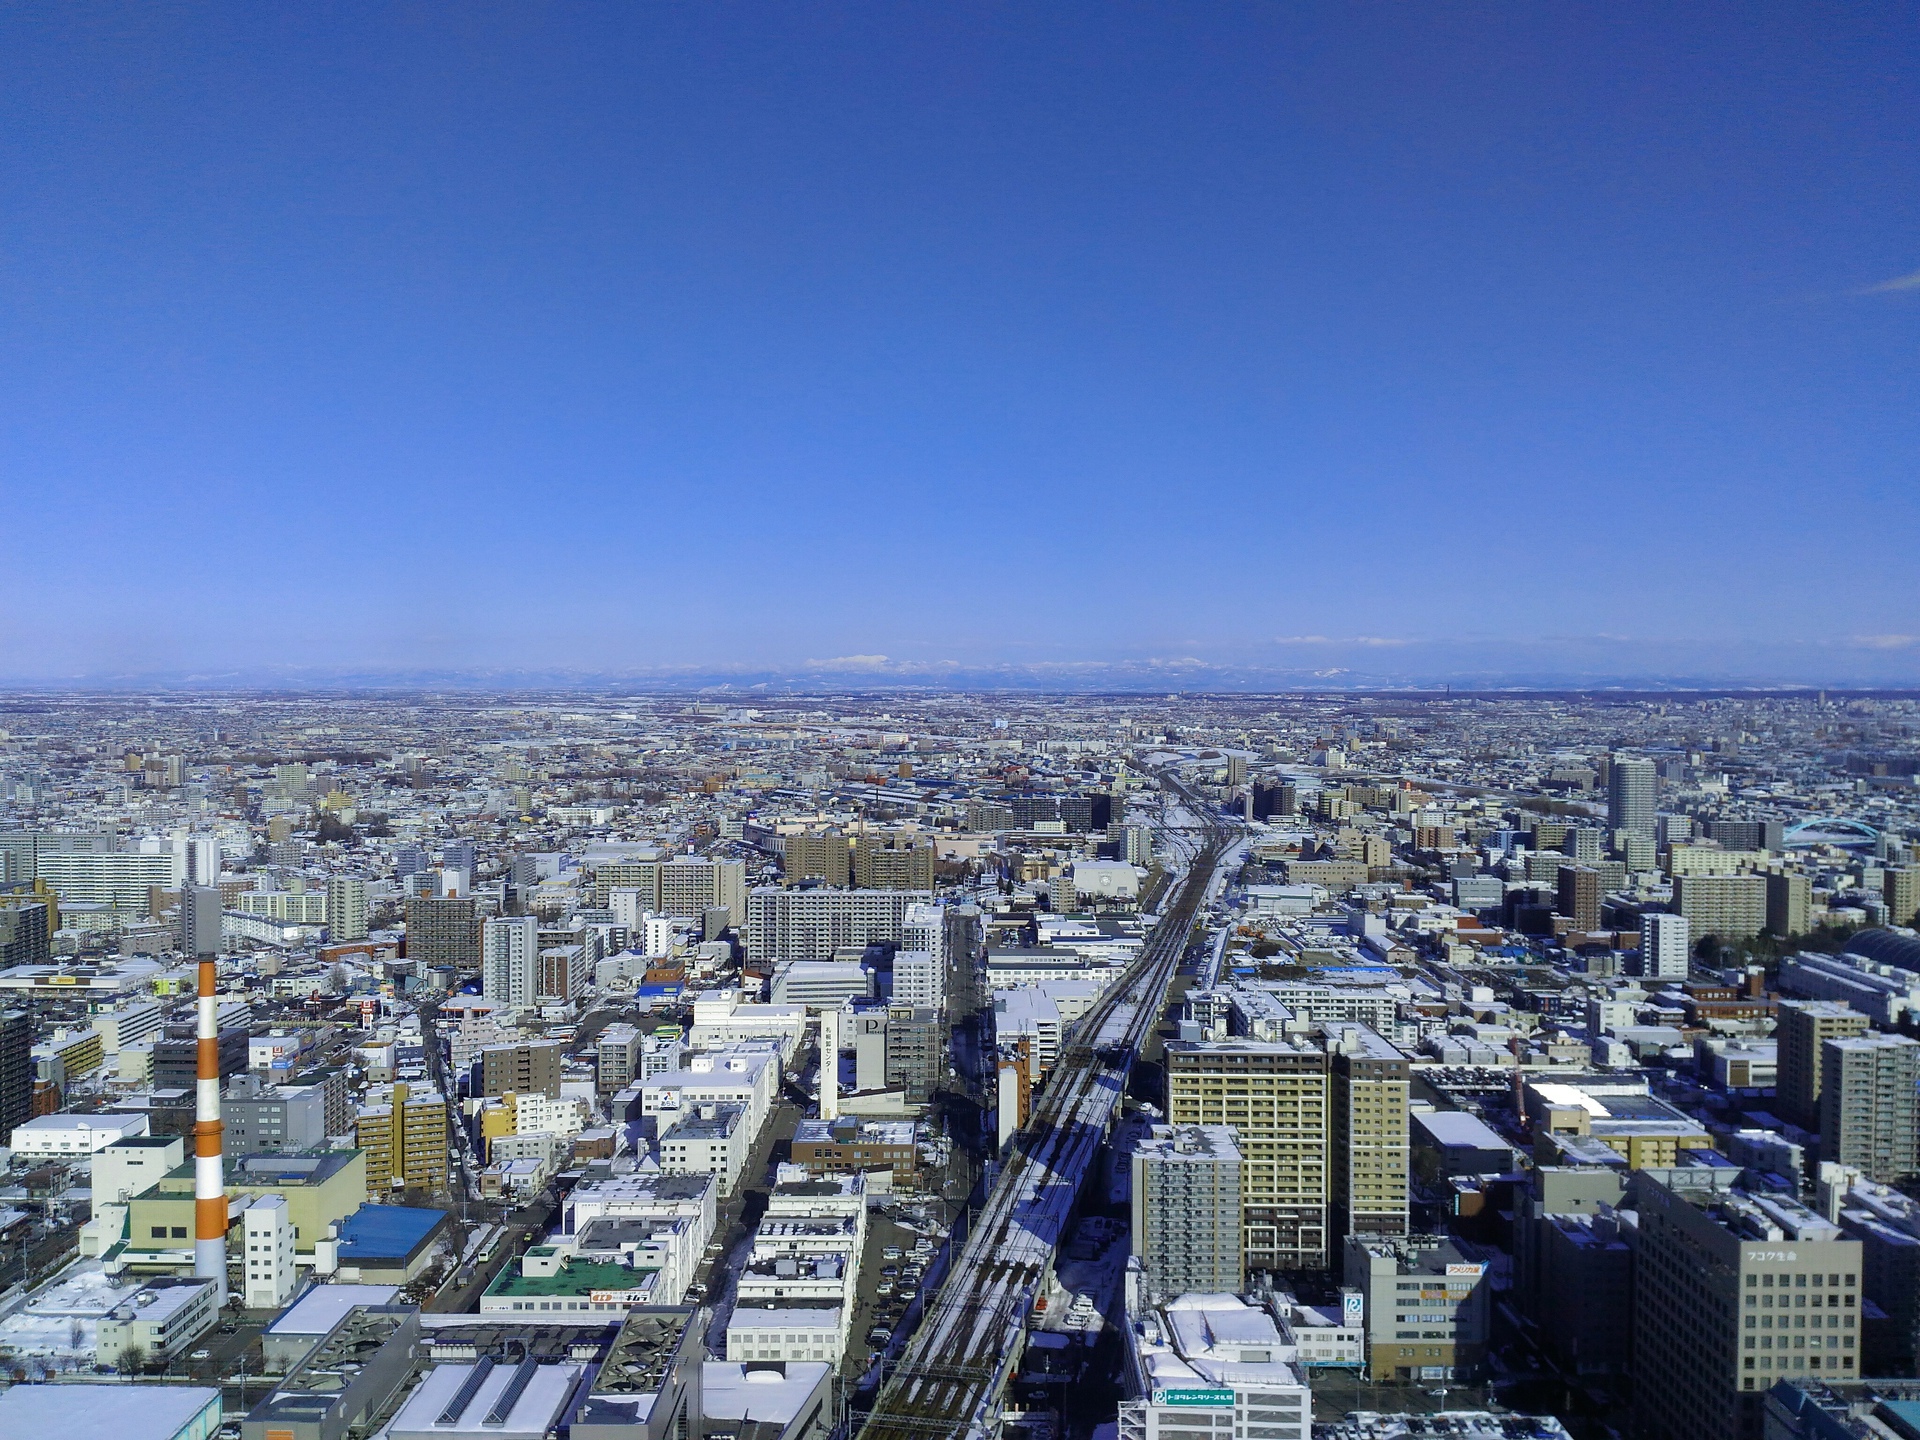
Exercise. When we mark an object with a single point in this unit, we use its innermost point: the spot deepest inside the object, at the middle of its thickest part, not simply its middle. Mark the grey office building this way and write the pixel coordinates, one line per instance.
(268, 1120)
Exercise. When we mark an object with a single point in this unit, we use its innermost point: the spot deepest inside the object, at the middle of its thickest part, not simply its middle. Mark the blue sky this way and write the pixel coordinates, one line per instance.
(1476, 340)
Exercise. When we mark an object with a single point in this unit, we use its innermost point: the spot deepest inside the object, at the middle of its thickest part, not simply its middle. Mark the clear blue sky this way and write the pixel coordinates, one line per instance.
(620, 337)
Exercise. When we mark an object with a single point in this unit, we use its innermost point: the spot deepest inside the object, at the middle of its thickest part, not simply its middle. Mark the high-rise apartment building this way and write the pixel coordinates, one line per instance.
(919, 978)
(347, 910)
(1580, 894)
(631, 872)
(693, 885)
(1900, 889)
(443, 930)
(1186, 1210)
(16, 1069)
(1666, 946)
(1731, 907)
(1870, 1104)
(785, 924)
(124, 880)
(892, 860)
(818, 857)
(1803, 1027)
(527, 1067)
(1631, 788)
(404, 1132)
(26, 933)
(1369, 1086)
(510, 960)
(1733, 1292)
(1274, 1096)
(616, 1057)
(1789, 894)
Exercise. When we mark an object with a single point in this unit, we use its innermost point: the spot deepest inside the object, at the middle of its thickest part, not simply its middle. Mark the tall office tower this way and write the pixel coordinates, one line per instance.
(1900, 888)
(1733, 1292)
(825, 857)
(1368, 1092)
(916, 1050)
(404, 1132)
(1274, 1095)
(200, 913)
(510, 960)
(1730, 907)
(1584, 845)
(1788, 897)
(1186, 1211)
(16, 1069)
(1804, 1026)
(1580, 896)
(1666, 946)
(1236, 770)
(1869, 1110)
(692, 885)
(785, 924)
(1631, 786)
(892, 860)
(443, 930)
(346, 908)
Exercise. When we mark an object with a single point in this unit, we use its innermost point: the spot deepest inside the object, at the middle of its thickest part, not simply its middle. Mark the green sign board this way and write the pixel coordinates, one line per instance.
(1212, 1399)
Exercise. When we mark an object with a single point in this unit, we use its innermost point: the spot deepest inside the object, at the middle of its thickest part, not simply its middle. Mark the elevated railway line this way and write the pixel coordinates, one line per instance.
(950, 1376)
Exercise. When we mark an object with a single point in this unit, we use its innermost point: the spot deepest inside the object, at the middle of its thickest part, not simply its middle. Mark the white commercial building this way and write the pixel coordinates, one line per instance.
(1213, 1367)
(747, 1075)
(74, 1135)
(821, 984)
(1028, 1012)
(720, 1019)
(267, 1228)
(134, 1164)
(708, 1140)
(924, 928)
(1107, 879)
(785, 1332)
(919, 978)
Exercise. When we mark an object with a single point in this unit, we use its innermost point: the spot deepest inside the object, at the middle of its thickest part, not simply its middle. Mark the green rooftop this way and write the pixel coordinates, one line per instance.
(579, 1277)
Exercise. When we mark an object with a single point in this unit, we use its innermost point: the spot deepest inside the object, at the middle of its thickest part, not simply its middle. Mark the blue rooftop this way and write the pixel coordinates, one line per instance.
(386, 1232)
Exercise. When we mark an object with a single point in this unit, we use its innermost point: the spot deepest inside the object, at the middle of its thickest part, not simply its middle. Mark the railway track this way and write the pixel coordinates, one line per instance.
(950, 1377)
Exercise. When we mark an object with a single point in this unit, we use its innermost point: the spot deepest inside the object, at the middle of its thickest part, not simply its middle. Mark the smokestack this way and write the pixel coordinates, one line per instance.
(209, 1172)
